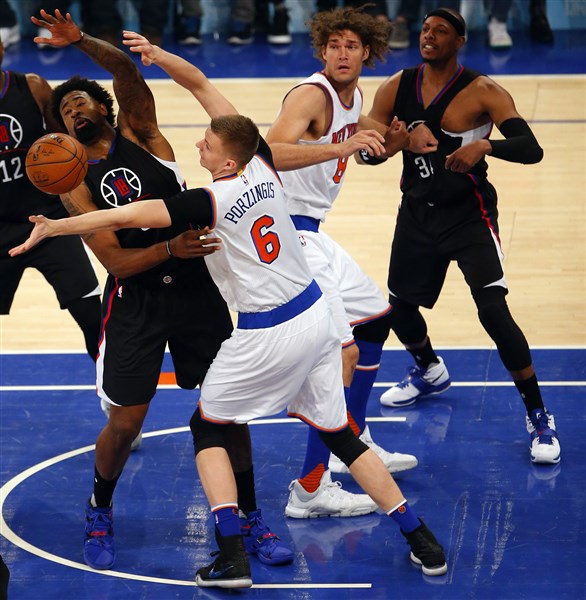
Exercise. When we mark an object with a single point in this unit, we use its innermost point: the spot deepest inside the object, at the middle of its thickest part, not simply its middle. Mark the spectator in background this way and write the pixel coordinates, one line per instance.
(539, 26)
(376, 8)
(189, 13)
(9, 30)
(539, 29)
(102, 19)
(275, 24)
(409, 13)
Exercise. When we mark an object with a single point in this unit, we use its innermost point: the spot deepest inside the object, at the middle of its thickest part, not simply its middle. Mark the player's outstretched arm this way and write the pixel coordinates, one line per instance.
(182, 72)
(136, 103)
(138, 214)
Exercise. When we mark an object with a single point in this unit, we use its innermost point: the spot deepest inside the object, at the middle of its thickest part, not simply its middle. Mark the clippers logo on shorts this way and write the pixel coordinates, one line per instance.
(11, 132)
(120, 187)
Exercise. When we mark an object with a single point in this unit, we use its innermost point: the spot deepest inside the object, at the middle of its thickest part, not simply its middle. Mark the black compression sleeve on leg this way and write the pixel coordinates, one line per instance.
(498, 322)
(376, 331)
(206, 434)
(408, 322)
(520, 144)
(344, 444)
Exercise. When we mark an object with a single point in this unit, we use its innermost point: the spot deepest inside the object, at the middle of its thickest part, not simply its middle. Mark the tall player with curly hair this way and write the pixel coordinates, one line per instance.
(318, 128)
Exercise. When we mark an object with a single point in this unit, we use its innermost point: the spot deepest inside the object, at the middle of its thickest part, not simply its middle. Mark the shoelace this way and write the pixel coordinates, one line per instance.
(100, 525)
(412, 372)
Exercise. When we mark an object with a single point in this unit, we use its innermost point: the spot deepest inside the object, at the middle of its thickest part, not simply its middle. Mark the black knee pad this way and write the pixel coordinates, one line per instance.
(206, 434)
(376, 331)
(408, 322)
(344, 444)
(498, 322)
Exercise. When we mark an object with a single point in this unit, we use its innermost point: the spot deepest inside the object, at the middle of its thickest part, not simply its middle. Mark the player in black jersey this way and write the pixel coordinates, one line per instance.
(158, 291)
(24, 110)
(449, 212)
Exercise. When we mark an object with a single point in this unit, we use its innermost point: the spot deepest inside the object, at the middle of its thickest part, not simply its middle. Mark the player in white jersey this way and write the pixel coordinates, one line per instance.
(285, 350)
(318, 128)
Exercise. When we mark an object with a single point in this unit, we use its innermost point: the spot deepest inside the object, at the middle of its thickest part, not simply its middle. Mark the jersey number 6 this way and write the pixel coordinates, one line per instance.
(266, 242)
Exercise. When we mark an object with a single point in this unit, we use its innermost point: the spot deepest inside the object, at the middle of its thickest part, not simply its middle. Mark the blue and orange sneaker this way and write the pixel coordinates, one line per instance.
(260, 541)
(99, 551)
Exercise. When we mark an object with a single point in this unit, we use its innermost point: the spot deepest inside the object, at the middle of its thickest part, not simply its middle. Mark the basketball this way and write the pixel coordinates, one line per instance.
(56, 163)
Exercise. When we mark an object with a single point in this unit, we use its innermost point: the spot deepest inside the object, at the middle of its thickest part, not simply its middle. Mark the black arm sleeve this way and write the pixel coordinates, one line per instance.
(520, 144)
(193, 207)
(367, 159)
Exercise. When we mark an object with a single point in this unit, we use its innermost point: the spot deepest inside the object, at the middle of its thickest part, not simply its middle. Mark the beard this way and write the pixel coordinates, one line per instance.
(87, 133)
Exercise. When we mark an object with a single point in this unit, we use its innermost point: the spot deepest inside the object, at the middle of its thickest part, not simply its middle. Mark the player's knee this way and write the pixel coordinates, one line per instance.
(125, 429)
(344, 444)
(408, 322)
(376, 331)
(205, 434)
(498, 322)
(350, 355)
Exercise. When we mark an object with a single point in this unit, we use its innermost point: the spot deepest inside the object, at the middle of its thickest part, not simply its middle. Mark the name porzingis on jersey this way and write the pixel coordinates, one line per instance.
(344, 133)
(253, 196)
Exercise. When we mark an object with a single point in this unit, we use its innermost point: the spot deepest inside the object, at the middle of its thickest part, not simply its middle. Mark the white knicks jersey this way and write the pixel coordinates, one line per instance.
(260, 265)
(311, 191)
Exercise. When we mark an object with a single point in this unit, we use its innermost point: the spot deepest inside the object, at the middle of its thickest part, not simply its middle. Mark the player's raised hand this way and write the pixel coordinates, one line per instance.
(63, 29)
(396, 137)
(43, 228)
(139, 44)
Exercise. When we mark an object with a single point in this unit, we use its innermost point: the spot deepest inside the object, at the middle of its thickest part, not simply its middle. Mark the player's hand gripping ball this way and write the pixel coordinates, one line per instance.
(56, 163)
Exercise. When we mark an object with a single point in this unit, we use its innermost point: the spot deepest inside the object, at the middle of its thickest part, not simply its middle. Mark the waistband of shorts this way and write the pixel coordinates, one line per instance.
(283, 313)
(303, 223)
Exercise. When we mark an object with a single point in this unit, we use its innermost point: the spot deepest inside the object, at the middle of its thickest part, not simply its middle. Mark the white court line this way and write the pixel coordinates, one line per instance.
(385, 384)
(11, 536)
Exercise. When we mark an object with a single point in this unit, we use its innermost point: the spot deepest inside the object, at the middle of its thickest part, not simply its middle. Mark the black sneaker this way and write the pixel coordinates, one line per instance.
(426, 551)
(279, 29)
(187, 31)
(231, 568)
(240, 34)
(540, 30)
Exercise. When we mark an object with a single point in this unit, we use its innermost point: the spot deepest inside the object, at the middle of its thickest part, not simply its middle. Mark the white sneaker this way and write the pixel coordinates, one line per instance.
(394, 461)
(418, 383)
(137, 442)
(498, 36)
(329, 500)
(545, 446)
(10, 35)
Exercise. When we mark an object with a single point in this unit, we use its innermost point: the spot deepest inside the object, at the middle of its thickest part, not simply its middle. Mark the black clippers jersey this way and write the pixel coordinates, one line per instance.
(21, 124)
(425, 177)
(129, 174)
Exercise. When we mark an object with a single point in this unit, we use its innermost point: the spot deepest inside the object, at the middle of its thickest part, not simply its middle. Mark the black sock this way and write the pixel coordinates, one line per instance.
(104, 489)
(424, 356)
(246, 492)
(530, 393)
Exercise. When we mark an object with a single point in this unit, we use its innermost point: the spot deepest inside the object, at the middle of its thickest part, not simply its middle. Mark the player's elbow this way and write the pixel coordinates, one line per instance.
(534, 155)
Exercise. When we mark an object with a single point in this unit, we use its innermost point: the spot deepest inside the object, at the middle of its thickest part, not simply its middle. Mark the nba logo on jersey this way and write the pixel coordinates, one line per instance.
(244, 180)
(10, 132)
(120, 186)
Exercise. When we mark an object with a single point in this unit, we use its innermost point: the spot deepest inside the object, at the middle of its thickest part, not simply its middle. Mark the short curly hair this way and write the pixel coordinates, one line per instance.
(92, 88)
(372, 32)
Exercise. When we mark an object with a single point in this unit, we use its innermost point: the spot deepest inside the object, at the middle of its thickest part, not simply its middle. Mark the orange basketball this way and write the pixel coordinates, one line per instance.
(56, 163)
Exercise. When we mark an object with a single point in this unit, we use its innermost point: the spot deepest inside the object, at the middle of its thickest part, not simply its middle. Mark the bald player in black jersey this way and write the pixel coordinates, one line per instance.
(158, 290)
(449, 213)
(25, 117)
